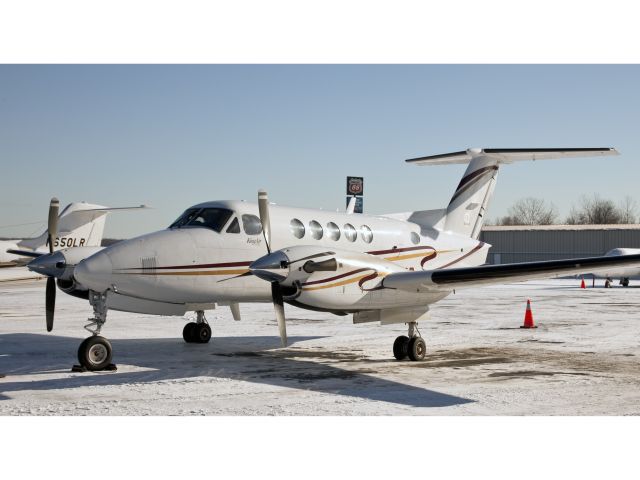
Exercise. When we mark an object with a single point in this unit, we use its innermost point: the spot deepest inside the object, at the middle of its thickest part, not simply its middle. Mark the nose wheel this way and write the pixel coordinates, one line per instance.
(412, 346)
(95, 353)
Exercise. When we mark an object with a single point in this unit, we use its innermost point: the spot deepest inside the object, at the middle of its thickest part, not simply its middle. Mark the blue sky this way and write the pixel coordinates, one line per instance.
(172, 136)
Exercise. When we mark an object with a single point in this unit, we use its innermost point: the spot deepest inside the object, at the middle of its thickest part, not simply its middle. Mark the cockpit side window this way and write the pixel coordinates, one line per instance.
(251, 225)
(234, 226)
(184, 218)
(213, 218)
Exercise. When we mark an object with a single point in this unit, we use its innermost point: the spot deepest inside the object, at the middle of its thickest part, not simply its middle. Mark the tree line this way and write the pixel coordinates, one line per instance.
(591, 210)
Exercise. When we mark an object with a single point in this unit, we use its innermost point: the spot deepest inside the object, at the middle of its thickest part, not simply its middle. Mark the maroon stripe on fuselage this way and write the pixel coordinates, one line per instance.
(474, 250)
(397, 250)
(203, 265)
(352, 272)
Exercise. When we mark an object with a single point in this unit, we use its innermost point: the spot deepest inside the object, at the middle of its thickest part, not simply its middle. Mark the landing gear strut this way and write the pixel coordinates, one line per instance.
(411, 345)
(95, 352)
(198, 331)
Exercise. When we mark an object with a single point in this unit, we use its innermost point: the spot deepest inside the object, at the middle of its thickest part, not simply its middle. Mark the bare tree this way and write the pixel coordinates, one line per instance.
(594, 211)
(628, 210)
(530, 211)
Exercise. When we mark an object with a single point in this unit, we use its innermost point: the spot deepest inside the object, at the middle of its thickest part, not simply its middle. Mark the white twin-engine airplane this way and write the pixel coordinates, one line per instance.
(378, 268)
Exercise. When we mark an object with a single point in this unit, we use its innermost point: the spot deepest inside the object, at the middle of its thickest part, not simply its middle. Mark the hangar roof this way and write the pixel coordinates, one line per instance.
(505, 228)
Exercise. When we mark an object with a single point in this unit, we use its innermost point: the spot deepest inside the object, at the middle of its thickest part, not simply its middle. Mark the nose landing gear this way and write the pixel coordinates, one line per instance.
(95, 352)
(412, 346)
(198, 331)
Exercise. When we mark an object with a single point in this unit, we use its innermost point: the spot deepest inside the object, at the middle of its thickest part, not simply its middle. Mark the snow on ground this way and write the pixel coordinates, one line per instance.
(582, 360)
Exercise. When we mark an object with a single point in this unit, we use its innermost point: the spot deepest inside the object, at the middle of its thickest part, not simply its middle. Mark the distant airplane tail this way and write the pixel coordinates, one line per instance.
(470, 201)
(80, 225)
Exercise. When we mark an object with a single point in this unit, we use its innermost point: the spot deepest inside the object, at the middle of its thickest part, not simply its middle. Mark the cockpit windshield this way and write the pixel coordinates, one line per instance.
(213, 218)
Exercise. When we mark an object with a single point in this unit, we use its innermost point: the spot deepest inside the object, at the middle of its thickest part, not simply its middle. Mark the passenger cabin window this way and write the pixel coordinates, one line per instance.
(234, 226)
(415, 238)
(251, 225)
(316, 229)
(213, 218)
(297, 228)
(366, 234)
(333, 231)
(350, 232)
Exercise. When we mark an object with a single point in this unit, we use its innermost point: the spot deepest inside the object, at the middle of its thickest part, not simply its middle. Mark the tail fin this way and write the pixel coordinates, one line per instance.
(466, 210)
(79, 225)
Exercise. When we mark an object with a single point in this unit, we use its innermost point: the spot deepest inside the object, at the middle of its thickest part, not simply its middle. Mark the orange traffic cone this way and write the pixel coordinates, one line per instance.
(582, 285)
(528, 317)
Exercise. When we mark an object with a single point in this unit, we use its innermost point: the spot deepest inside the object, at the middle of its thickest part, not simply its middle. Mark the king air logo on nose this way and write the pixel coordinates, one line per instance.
(254, 241)
(65, 242)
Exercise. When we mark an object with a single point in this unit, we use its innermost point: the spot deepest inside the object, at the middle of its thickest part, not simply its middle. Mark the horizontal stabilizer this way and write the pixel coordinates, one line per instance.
(499, 274)
(508, 155)
(25, 253)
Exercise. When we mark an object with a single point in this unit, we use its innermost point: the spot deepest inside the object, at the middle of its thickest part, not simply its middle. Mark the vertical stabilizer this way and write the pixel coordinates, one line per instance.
(79, 225)
(467, 208)
(465, 212)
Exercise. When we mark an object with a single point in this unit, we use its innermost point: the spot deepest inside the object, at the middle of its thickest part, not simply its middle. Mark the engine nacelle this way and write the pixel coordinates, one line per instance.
(331, 280)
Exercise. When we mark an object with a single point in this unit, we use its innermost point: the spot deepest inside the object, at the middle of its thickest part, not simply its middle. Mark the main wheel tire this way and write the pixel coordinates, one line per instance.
(202, 333)
(624, 282)
(417, 349)
(401, 347)
(188, 332)
(95, 353)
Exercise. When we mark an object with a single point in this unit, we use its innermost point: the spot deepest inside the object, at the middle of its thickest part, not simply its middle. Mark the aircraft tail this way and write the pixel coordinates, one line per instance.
(80, 225)
(470, 201)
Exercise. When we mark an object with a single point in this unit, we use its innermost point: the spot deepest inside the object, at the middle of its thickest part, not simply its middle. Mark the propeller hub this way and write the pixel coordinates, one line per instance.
(51, 265)
(273, 267)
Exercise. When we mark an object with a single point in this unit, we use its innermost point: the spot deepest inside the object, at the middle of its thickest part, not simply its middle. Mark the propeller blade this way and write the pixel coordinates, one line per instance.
(52, 224)
(50, 301)
(263, 207)
(278, 304)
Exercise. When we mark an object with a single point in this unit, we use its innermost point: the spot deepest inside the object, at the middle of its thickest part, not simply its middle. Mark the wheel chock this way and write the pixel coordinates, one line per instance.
(109, 368)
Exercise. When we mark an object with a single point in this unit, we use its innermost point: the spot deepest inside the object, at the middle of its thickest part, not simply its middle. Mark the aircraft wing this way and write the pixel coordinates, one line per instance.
(451, 278)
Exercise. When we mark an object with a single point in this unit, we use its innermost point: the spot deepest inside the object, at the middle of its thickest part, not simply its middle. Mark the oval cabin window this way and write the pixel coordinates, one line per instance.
(297, 228)
(350, 232)
(316, 229)
(333, 231)
(415, 238)
(366, 234)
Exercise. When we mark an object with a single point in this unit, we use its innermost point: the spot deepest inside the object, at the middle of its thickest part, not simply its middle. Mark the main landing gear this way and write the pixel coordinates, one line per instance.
(411, 345)
(95, 352)
(198, 331)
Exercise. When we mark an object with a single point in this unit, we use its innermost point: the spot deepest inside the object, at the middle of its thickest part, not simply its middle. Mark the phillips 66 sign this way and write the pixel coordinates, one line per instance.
(355, 185)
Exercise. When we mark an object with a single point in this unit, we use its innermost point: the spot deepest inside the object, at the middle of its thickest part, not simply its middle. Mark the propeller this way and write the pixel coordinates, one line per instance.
(52, 224)
(52, 233)
(276, 291)
(263, 208)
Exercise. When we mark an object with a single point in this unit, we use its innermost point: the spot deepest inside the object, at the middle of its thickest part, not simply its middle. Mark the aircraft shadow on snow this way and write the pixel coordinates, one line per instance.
(252, 359)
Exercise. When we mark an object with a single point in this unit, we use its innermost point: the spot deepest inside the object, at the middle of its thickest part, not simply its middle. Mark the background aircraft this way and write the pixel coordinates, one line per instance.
(79, 224)
(79, 229)
(624, 274)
